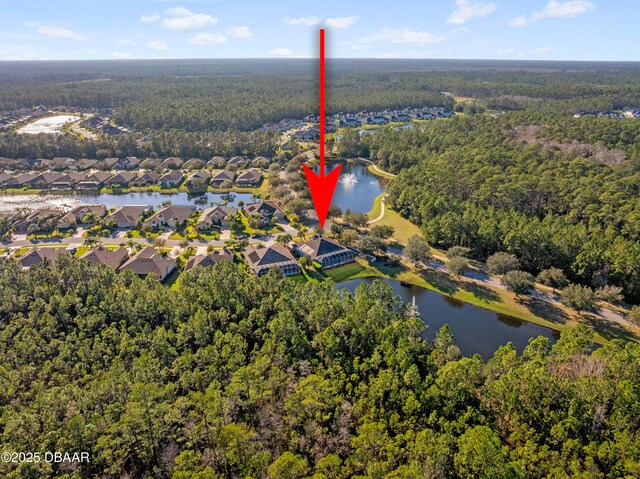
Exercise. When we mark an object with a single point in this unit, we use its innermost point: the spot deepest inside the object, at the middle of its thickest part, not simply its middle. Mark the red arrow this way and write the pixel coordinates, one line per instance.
(321, 186)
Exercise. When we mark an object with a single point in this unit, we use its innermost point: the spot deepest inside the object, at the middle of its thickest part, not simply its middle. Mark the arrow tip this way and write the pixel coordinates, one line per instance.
(322, 188)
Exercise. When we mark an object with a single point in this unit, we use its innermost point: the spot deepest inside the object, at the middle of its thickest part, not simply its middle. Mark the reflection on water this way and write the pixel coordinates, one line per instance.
(477, 330)
(453, 302)
(359, 193)
(68, 201)
(510, 320)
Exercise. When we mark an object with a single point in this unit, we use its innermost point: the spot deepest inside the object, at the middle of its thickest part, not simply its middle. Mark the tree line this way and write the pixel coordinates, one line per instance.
(471, 181)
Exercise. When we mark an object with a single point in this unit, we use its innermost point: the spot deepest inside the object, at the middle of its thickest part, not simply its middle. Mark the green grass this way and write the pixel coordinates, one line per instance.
(403, 228)
(140, 234)
(377, 207)
(347, 271)
(383, 174)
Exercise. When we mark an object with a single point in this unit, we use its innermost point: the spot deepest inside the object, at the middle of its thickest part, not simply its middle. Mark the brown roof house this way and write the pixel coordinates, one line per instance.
(260, 162)
(327, 252)
(201, 177)
(220, 177)
(172, 163)
(267, 210)
(239, 161)
(210, 259)
(121, 179)
(215, 216)
(145, 179)
(77, 215)
(128, 216)
(94, 181)
(36, 256)
(110, 258)
(276, 256)
(249, 178)
(171, 179)
(171, 216)
(216, 162)
(149, 261)
(46, 219)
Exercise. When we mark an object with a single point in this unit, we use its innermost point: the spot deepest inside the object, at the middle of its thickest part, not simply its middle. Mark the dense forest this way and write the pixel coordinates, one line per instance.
(477, 182)
(235, 95)
(162, 144)
(231, 375)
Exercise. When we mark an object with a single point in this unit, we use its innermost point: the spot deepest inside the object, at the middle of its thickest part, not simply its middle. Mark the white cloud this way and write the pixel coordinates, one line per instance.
(208, 39)
(556, 9)
(404, 35)
(179, 18)
(153, 18)
(123, 55)
(308, 21)
(541, 51)
(518, 21)
(341, 22)
(126, 42)
(505, 52)
(240, 33)
(157, 45)
(280, 52)
(55, 32)
(467, 10)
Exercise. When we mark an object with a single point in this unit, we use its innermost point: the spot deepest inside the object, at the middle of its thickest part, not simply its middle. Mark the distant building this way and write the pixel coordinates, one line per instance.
(260, 162)
(239, 161)
(327, 252)
(276, 256)
(172, 163)
(217, 162)
(210, 259)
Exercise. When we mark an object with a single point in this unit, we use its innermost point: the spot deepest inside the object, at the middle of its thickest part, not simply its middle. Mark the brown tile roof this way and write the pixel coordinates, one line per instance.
(101, 255)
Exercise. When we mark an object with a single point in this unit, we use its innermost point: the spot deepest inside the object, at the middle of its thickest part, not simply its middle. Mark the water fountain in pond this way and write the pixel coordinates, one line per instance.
(348, 179)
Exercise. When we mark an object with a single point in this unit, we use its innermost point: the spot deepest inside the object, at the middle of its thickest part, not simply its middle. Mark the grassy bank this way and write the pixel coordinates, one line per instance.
(527, 309)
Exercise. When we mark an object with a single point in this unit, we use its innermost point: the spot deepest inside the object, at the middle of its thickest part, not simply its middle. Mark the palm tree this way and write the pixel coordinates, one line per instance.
(91, 241)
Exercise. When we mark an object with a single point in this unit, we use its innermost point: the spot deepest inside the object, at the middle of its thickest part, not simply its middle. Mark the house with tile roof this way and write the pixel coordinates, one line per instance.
(329, 253)
(148, 261)
(276, 256)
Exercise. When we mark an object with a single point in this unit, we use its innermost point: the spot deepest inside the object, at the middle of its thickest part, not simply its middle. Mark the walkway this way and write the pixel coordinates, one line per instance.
(381, 215)
(375, 167)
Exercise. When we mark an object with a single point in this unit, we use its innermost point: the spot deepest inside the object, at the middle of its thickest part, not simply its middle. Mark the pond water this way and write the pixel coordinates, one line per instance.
(52, 124)
(359, 193)
(476, 330)
(67, 201)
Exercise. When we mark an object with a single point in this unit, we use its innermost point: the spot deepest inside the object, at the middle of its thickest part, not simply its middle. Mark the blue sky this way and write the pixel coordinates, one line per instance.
(480, 29)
